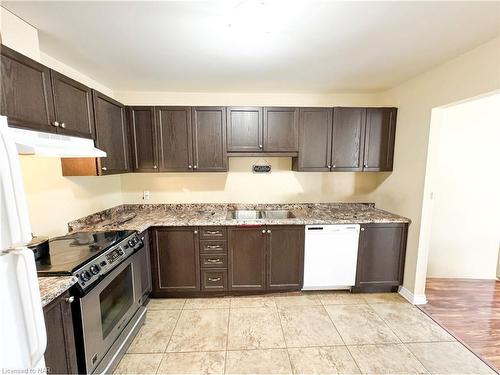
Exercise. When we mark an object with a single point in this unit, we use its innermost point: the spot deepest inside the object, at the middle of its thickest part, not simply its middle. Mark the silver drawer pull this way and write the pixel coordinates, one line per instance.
(70, 299)
(213, 247)
(212, 279)
(214, 260)
(213, 231)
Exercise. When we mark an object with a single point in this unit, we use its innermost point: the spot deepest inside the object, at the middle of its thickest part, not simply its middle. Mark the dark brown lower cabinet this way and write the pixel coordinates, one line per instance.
(176, 260)
(247, 258)
(381, 257)
(285, 257)
(60, 355)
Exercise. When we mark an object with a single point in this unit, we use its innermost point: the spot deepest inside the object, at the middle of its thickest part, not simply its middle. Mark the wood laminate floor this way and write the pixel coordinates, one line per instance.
(470, 310)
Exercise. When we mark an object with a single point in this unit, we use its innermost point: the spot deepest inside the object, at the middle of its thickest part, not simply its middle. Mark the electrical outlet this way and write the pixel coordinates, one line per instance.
(146, 195)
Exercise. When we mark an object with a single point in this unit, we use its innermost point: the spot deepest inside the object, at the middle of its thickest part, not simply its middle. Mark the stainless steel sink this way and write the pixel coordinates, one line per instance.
(259, 214)
(277, 214)
(244, 214)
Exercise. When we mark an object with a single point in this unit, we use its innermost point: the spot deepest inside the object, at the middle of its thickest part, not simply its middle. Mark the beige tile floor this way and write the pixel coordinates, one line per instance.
(299, 333)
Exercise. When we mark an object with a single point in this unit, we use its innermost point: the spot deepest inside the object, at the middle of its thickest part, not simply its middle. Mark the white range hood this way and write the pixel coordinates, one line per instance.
(30, 142)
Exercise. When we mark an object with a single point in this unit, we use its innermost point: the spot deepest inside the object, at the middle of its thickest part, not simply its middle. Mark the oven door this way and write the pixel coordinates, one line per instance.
(107, 309)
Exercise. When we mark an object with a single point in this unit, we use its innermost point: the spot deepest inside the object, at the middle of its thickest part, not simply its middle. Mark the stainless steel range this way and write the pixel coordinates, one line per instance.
(113, 284)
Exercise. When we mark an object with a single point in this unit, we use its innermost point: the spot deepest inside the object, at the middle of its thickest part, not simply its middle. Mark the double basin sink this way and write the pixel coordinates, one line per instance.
(259, 214)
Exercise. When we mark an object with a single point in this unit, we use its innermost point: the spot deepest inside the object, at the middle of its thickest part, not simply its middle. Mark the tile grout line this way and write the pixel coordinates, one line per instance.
(284, 338)
(399, 338)
(227, 335)
(338, 332)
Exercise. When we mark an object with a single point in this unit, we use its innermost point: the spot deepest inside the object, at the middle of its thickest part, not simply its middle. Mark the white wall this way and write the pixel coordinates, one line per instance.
(465, 232)
(240, 185)
(473, 73)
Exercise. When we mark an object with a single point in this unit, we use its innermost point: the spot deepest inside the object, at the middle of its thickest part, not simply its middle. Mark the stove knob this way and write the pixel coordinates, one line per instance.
(94, 269)
(85, 276)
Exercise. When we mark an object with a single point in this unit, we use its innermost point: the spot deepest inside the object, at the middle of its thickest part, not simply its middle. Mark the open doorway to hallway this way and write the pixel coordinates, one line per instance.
(463, 272)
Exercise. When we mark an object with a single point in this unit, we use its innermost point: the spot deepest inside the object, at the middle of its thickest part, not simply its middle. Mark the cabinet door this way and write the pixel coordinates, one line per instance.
(285, 257)
(379, 139)
(73, 106)
(60, 355)
(175, 147)
(143, 138)
(281, 129)
(26, 95)
(111, 134)
(244, 129)
(348, 139)
(247, 258)
(381, 255)
(315, 139)
(209, 139)
(176, 260)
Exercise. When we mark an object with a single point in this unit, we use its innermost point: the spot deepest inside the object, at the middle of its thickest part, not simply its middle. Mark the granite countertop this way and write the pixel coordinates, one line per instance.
(52, 287)
(140, 217)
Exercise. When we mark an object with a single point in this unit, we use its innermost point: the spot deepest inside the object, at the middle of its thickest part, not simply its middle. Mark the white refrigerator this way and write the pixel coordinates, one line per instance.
(23, 337)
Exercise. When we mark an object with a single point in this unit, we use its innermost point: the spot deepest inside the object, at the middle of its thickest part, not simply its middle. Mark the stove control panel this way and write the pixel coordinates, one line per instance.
(108, 260)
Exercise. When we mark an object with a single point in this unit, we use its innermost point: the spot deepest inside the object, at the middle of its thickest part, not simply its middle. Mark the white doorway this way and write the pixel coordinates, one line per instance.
(464, 234)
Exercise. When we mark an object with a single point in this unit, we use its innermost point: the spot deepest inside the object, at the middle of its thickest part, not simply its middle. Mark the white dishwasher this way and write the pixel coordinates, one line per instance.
(331, 253)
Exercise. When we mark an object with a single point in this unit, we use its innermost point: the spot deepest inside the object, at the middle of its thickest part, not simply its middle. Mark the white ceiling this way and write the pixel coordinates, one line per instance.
(257, 46)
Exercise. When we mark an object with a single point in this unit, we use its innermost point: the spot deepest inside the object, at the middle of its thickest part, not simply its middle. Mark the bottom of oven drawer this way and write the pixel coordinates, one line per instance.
(214, 279)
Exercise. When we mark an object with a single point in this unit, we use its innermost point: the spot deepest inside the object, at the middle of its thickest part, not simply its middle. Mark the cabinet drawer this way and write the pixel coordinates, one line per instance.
(214, 279)
(213, 261)
(213, 247)
(213, 233)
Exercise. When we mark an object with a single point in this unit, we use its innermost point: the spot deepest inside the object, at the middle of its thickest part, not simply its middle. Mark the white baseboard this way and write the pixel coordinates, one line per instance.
(416, 299)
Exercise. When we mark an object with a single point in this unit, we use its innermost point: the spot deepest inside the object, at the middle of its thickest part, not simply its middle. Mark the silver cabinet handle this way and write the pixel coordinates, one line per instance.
(269, 231)
(190, 166)
(362, 229)
(213, 231)
(213, 247)
(212, 279)
(365, 165)
(263, 231)
(70, 299)
(104, 168)
(63, 125)
(214, 260)
(329, 166)
(155, 166)
(56, 123)
(195, 232)
(260, 146)
(334, 166)
(195, 166)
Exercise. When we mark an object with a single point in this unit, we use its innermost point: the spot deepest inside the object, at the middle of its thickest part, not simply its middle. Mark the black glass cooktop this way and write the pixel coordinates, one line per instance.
(68, 253)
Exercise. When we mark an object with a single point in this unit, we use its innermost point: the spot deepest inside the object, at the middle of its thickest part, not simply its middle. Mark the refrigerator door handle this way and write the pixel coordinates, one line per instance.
(31, 303)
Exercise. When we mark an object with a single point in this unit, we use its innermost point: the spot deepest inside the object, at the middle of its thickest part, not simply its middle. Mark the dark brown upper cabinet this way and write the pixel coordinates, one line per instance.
(73, 107)
(381, 257)
(38, 98)
(315, 140)
(143, 138)
(379, 139)
(176, 260)
(281, 126)
(247, 258)
(285, 257)
(111, 134)
(348, 139)
(209, 139)
(26, 94)
(175, 140)
(244, 129)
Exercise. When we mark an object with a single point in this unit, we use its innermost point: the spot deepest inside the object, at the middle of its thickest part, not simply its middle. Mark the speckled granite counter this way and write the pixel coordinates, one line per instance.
(141, 217)
(52, 287)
